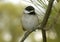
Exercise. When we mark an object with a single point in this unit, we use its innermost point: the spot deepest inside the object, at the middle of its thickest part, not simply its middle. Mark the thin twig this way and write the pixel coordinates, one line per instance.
(28, 33)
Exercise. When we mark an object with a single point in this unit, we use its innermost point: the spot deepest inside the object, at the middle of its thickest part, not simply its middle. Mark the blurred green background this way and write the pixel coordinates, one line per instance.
(11, 28)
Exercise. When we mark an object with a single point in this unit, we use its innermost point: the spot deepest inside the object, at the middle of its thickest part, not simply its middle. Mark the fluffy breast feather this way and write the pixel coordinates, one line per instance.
(29, 21)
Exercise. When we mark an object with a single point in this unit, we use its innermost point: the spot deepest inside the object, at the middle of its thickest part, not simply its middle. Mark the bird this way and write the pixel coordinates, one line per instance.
(29, 18)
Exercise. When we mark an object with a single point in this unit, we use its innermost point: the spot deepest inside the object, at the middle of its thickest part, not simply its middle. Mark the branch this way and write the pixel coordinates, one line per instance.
(43, 24)
(29, 32)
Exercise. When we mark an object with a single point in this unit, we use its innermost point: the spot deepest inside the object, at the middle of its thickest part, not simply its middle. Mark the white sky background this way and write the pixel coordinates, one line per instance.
(14, 1)
(11, 1)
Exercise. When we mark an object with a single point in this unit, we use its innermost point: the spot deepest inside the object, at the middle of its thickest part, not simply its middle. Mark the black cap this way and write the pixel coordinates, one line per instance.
(29, 8)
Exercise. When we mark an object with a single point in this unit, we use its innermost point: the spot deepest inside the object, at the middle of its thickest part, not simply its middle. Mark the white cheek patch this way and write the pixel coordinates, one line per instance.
(25, 11)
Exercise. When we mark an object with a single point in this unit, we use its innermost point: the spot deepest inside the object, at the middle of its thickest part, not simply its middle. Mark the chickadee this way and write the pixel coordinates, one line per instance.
(29, 19)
